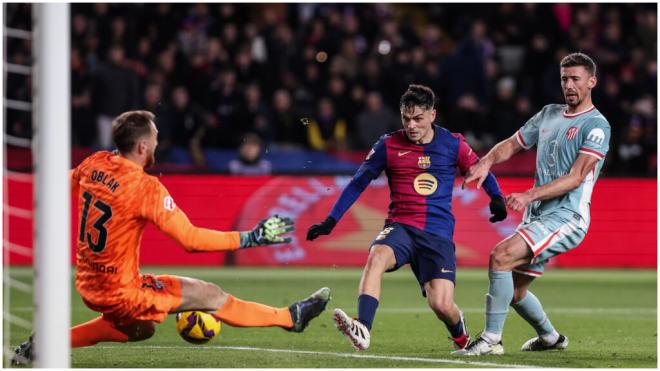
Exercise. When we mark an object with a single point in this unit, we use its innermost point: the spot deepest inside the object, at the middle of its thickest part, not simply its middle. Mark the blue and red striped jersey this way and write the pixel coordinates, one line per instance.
(421, 179)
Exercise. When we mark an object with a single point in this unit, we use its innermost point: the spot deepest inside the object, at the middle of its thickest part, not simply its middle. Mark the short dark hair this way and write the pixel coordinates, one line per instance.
(252, 138)
(579, 59)
(130, 126)
(417, 95)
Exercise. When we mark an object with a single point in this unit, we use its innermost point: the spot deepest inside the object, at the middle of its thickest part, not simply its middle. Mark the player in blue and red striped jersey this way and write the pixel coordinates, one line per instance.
(420, 162)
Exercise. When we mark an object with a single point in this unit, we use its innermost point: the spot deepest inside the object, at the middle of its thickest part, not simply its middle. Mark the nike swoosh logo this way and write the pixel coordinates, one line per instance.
(403, 153)
(445, 270)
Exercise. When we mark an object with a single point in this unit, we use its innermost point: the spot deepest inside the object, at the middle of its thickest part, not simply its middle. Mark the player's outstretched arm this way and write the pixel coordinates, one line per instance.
(269, 231)
(497, 204)
(160, 209)
(581, 167)
(501, 152)
(467, 159)
(195, 239)
(372, 166)
(348, 196)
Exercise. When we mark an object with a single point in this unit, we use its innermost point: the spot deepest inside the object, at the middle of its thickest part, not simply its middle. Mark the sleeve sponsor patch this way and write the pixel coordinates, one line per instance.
(168, 203)
(596, 136)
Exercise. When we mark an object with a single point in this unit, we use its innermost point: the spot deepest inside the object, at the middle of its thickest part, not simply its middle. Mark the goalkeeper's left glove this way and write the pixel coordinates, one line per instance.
(267, 232)
(498, 209)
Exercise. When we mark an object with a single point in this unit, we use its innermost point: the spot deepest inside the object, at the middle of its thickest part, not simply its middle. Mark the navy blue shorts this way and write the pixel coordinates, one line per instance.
(429, 256)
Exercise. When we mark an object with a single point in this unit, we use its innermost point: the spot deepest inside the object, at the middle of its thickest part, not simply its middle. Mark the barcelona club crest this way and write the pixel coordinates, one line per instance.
(424, 162)
(571, 133)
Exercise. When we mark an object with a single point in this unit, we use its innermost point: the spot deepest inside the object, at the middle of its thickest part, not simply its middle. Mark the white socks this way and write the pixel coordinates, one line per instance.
(491, 337)
(548, 339)
(551, 338)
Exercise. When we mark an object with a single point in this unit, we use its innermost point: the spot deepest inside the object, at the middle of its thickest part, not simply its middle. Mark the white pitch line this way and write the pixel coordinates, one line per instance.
(334, 354)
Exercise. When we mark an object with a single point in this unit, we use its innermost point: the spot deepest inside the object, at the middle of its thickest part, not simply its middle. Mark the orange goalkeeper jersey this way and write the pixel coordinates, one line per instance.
(116, 200)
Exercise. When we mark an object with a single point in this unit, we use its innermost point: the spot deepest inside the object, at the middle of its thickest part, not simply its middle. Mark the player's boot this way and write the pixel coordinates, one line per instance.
(536, 344)
(462, 341)
(356, 332)
(307, 309)
(23, 355)
(480, 347)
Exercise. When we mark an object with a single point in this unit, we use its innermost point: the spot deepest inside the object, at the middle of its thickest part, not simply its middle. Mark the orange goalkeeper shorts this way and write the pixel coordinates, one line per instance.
(158, 296)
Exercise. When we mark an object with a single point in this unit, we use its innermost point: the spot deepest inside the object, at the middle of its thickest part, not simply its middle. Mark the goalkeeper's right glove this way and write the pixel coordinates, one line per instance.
(267, 232)
(325, 227)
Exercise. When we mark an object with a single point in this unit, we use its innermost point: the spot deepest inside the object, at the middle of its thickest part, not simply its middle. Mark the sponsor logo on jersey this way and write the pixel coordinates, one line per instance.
(425, 184)
(596, 136)
(424, 162)
(571, 133)
(168, 203)
(403, 153)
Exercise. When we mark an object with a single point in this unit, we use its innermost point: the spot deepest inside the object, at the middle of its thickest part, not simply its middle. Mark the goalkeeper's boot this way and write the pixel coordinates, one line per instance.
(309, 308)
(537, 344)
(480, 347)
(23, 355)
(464, 339)
(356, 332)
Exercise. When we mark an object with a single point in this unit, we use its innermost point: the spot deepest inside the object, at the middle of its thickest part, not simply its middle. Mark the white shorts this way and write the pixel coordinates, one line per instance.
(547, 236)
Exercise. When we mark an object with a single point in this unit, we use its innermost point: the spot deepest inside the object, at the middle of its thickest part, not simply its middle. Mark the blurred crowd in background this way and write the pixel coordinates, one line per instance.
(328, 77)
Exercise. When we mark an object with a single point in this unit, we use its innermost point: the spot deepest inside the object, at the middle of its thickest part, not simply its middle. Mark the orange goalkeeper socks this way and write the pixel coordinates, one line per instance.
(238, 313)
(94, 331)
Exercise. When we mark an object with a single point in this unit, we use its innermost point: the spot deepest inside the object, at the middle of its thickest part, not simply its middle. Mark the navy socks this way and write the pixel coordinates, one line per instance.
(367, 306)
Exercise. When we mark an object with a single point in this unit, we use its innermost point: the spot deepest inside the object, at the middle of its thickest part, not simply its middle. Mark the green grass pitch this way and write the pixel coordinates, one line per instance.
(610, 317)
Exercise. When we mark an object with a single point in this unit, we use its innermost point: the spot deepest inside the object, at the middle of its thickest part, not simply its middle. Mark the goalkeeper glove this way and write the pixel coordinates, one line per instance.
(268, 232)
(498, 209)
(325, 227)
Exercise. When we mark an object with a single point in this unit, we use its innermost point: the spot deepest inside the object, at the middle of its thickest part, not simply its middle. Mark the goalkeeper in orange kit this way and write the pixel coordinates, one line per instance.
(117, 199)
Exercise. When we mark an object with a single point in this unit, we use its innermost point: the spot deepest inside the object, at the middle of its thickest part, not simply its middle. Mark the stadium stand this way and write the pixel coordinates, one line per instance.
(300, 75)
